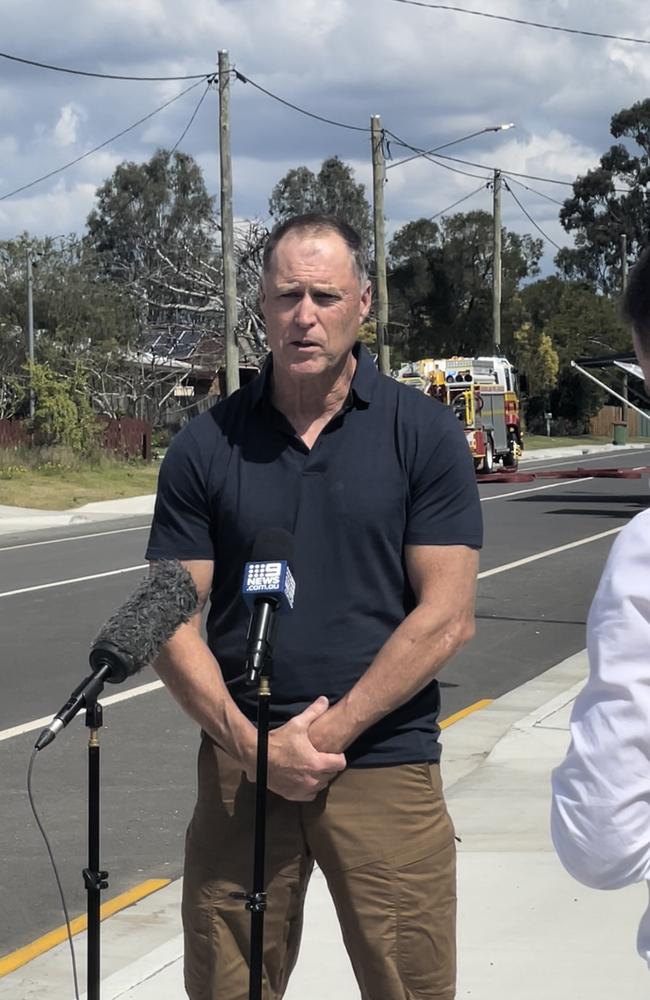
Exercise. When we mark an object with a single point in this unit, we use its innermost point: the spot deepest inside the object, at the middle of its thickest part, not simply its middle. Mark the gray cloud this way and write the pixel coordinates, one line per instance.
(432, 75)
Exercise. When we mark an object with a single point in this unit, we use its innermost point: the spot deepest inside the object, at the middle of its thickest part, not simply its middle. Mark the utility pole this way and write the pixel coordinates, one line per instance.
(624, 408)
(378, 181)
(30, 331)
(496, 265)
(227, 230)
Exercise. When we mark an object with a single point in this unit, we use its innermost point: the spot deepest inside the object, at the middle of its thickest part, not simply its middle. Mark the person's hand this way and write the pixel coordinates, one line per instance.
(326, 732)
(297, 771)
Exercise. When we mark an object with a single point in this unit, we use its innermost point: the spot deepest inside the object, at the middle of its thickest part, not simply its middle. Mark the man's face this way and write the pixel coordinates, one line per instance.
(313, 303)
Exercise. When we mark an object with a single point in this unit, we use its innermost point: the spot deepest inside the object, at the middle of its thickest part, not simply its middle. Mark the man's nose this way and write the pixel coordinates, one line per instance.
(305, 313)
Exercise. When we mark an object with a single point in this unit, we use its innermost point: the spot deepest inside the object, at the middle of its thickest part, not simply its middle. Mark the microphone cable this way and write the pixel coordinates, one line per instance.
(30, 796)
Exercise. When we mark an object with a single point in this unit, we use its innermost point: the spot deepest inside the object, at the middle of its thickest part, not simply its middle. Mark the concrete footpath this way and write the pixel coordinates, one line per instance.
(526, 929)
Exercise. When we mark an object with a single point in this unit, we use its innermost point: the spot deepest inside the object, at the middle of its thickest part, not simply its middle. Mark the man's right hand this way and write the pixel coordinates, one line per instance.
(297, 771)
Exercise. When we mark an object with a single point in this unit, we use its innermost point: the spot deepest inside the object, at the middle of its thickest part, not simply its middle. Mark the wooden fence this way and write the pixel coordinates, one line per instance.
(127, 437)
(637, 426)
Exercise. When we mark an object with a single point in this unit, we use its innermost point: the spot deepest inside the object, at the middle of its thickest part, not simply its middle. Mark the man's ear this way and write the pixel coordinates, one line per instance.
(366, 301)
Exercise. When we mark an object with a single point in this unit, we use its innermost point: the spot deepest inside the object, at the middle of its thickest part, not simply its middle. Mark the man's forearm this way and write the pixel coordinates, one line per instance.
(190, 671)
(405, 664)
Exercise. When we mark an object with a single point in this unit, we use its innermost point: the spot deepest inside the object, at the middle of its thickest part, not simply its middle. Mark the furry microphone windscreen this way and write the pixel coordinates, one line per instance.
(134, 635)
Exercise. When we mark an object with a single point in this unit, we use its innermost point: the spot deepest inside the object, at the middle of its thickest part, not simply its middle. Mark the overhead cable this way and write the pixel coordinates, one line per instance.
(189, 124)
(485, 166)
(100, 76)
(95, 149)
(530, 218)
(310, 114)
(524, 21)
(444, 211)
(535, 191)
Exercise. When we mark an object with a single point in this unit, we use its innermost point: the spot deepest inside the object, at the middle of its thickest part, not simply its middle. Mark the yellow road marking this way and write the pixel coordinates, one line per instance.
(15, 959)
(464, 712)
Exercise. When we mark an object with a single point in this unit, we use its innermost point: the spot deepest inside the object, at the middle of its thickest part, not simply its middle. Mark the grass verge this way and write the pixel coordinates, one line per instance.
(61, 488)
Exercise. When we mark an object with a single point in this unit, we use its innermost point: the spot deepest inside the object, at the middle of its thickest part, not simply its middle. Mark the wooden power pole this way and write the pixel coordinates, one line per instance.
(378, 178)
(626, 386)
(227, 230)
(29, 284)
(496, 264)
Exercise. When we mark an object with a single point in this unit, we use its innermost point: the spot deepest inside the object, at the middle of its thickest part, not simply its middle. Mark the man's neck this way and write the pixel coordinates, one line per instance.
(310, 403)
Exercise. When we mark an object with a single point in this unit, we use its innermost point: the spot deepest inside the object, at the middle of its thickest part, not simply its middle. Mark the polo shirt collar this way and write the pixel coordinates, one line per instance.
(363, 380)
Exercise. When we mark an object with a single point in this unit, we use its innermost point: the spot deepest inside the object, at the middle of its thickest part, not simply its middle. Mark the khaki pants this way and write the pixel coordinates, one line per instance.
(385, 843)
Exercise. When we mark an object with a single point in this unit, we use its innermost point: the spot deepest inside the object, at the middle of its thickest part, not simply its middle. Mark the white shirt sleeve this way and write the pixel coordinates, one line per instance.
(600, 818)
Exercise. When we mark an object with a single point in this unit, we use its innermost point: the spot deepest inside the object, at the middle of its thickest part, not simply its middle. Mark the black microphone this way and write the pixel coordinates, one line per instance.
(268, 587)
(132, 637)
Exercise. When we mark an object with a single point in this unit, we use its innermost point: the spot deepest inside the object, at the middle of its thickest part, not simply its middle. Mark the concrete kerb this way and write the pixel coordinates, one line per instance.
(548, 454)
(17, 519)
(142, 945)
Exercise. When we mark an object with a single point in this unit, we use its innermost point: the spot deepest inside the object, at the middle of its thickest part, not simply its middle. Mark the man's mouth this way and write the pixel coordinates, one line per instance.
(304, 344)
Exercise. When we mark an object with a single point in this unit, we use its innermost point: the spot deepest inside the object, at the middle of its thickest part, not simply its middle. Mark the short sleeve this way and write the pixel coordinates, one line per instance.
(444, 505)
(181, 522)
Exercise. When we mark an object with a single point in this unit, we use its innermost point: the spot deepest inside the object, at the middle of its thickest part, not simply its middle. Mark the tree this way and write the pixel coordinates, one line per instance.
(609, 201)
(153, 221)
(440, 284)
(78, 316)
(578, 322)
(333, 191)
(535, 355)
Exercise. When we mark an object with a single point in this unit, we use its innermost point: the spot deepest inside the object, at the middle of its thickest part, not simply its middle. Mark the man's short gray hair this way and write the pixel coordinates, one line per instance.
(317, 222)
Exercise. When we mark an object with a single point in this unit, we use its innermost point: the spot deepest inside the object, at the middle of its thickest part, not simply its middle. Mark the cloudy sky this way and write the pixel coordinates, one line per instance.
(433, 75)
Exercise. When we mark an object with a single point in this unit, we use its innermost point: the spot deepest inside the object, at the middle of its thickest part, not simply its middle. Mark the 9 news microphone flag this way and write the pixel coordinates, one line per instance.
(268, 587)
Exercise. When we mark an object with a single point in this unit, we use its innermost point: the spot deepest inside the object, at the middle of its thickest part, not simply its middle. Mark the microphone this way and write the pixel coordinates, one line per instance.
(132, 637)
(268, 587)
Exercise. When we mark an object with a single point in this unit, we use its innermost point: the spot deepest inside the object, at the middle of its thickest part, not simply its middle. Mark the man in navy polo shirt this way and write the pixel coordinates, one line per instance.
(375, 482)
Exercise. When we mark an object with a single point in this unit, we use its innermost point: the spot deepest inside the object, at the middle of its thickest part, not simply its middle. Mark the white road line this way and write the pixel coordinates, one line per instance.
(113, 699)
(27, 727)
(73, 538)
(76, 579)
(536, 489)
(549, 552)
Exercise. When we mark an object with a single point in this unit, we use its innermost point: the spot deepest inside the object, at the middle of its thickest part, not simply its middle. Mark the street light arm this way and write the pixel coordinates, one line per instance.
(453, 142)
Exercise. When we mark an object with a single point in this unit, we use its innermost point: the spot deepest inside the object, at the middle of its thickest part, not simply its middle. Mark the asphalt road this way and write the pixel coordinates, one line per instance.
(530, 616)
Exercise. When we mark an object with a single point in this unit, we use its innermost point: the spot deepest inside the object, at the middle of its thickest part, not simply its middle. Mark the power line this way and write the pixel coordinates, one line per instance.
(530, 218)
(95, 149)
(459, 202)
(484, 166)
(530, 24)
(433, 158)
(100, 76)
(310, 114)
(535, 191)
(189, 124)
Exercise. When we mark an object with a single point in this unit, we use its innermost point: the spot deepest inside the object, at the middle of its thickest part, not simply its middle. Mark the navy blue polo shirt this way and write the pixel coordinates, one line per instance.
(392, 468)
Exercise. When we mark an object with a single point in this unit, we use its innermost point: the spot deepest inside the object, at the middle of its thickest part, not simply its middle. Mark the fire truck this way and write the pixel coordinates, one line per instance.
(483, 394)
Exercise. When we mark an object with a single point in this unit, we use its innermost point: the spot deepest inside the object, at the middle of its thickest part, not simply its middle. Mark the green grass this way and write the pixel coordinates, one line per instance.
(60, 487)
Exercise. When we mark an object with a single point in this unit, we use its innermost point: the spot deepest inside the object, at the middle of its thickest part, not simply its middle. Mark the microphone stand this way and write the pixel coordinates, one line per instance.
(94, 879)
(256, 899)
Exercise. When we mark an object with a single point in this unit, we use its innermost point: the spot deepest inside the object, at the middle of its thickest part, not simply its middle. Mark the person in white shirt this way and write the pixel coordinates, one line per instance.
(600, 817)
